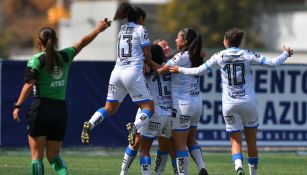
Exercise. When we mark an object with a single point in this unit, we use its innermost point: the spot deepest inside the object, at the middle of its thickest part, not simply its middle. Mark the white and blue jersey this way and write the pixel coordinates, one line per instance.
(239, 99)
(235, 66)
(185, 88)
(187, 105)
(159, 123)
(131, 40)
(127, 75)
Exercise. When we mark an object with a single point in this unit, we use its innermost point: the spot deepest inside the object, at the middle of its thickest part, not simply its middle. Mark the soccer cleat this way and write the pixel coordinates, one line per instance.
(131, 133)
(85, 135)
(203, 171)
(240, 171)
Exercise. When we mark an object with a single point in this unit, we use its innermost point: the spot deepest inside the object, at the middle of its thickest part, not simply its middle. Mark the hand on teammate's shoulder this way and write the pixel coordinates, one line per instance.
(289, 50)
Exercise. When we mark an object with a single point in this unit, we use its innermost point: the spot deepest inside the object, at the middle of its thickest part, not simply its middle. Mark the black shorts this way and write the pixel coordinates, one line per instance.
(47, 117)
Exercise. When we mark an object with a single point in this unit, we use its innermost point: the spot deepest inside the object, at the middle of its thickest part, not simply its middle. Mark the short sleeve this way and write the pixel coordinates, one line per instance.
(144, 37)
(34, 63)
(68, 54)
(177, 60)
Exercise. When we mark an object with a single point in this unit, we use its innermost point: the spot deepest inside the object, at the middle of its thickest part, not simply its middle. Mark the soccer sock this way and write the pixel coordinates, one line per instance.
(145, 163)
(197, 156)
(98, 117)
(130, 154)
(161, 161)
(237, 160)
(182, 160)
(252, 165)
(174, 165)
(37, 167)
(142, 118)
(59, 166)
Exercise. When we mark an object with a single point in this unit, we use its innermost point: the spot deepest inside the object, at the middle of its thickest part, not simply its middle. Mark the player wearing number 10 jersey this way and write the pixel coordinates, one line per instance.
(239, 101)
(133, 48)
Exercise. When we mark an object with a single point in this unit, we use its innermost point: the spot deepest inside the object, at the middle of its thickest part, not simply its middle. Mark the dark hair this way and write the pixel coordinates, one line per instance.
(125, 10)
(193, 45)
(47, 37)
(157, 54)
(234, 36)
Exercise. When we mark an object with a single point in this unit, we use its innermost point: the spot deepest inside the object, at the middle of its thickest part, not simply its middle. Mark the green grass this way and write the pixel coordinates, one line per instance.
(108, 162)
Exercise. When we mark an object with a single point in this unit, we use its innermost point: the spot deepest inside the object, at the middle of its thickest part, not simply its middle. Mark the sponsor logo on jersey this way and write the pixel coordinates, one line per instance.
(184, 118)
(57, 72)
(154, 125)
(60, 83)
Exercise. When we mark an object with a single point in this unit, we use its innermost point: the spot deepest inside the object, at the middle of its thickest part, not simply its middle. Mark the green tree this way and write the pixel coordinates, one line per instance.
(211, 18)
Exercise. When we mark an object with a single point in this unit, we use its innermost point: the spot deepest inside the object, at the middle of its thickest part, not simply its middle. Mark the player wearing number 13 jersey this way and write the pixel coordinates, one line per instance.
(239, 101)
(133, 49)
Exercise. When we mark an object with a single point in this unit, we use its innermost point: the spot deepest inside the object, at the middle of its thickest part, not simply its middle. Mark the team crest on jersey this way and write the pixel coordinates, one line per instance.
(57, 72)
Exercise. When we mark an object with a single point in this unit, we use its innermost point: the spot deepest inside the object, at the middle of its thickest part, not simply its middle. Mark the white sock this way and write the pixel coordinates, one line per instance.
(182, 160)
(161, 161)
(238, 164)
(129, 156)
(252, 169)
(197, 156)
(145, 163)
(142, 119)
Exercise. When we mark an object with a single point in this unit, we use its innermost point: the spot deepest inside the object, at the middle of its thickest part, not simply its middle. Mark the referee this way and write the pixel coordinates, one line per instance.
(46, 74)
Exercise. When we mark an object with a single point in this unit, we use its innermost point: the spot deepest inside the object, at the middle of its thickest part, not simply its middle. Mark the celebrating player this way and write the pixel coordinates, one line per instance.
(46, 73)
(239, 100)
(187, 105)
(133, 48)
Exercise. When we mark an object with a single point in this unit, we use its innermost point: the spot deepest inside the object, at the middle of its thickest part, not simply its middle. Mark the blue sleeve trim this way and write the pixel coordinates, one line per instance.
(237, 156)
(145, 160)
(103, 112)
(159, 152)
(130, 151)
(145, 44)
(183, 153)
(207, 67)
(252, 160)
(191, 148)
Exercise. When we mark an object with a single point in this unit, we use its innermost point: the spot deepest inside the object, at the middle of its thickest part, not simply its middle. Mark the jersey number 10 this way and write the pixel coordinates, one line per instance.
(236, 67)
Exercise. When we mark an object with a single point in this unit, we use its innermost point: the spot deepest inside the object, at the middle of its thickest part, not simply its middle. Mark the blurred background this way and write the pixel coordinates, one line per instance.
(268, 26)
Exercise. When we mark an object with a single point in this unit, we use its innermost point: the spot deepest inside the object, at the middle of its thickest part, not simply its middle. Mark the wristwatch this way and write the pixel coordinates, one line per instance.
(16, 106)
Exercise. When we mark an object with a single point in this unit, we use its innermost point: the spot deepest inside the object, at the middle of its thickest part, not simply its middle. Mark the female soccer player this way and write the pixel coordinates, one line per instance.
(160, 89)
(46, 74)
(239, 100)
(187, 104)
(133, 48)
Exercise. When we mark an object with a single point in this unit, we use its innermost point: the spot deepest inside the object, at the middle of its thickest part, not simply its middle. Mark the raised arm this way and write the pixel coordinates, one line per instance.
(287, 52)
(202, 69)
(101, 26)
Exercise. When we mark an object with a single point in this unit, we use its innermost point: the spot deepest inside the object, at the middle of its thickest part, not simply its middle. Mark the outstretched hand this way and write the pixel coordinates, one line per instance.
(103, 24)
(289, 50)
(174, 69)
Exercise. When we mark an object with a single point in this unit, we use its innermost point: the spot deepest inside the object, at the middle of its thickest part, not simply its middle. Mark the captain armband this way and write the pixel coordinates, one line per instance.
(30, 73)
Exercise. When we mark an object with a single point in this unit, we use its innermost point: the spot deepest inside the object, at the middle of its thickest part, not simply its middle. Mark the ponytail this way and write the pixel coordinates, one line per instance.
(125, 10)
(193, 46)
(194, 51)
(47, 38)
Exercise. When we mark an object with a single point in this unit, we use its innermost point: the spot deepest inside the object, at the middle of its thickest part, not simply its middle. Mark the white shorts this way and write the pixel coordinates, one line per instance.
(123, 81)
(186, 115)
(157, 126)
(237, 116)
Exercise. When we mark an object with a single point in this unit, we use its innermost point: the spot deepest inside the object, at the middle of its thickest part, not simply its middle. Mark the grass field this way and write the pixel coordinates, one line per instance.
(108, 162)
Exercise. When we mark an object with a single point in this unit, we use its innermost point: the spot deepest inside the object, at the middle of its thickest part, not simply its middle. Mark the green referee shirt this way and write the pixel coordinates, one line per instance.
(51, 85)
